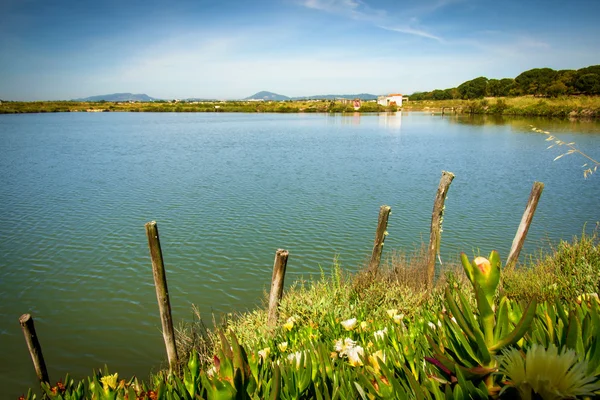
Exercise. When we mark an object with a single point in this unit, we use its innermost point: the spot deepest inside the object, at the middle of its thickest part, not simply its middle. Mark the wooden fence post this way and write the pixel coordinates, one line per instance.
(380, 234)
(436, 224)
(35, 350)
(162, 293)
(517, 244)
(281, 257)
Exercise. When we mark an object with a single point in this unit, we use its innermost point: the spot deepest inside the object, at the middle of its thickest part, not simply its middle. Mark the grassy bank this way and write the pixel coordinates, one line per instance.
(321, 106)
(561, 107)
(388, 336)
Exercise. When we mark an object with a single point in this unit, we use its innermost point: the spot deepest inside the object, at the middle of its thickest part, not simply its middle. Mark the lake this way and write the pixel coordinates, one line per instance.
(228, 190)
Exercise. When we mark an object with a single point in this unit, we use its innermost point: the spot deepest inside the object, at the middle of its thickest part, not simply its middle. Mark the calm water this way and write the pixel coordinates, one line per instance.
(227, 190)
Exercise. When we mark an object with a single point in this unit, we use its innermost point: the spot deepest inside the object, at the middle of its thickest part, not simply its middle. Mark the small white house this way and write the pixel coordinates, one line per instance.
(394, 99)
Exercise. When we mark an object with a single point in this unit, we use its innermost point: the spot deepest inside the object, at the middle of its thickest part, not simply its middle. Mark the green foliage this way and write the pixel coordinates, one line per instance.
(570, 270)
(473, 89)
(544, 82)
(384, 336)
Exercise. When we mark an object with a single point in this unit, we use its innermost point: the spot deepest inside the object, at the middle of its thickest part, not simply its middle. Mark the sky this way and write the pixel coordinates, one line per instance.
(231, 49)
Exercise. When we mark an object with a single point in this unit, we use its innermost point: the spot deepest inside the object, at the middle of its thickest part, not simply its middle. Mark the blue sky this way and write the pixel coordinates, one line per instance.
(232, 49)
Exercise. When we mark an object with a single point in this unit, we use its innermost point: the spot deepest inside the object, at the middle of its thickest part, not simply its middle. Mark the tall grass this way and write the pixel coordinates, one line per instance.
(569, 270)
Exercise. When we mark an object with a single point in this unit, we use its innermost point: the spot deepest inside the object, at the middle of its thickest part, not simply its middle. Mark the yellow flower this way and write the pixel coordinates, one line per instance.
(483, 264)
(364, 325)
(398, 318)
(282, 346)
(334, 355)
(392, 312)
(109, 381)
(289, 324)
(374, 359)
(349, 324)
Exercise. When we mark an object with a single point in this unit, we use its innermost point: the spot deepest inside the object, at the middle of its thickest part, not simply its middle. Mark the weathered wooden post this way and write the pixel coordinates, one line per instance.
(517, 244)
(380, 234)
(281, 257)
(436, 224)
(35, 350)
(162, 293)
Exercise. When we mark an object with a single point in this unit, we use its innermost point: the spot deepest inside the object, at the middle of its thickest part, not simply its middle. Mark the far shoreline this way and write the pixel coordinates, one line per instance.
(568, 107)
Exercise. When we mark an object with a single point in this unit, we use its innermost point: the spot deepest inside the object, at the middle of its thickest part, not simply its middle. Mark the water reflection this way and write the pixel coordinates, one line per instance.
(521, 124)
(391, 120)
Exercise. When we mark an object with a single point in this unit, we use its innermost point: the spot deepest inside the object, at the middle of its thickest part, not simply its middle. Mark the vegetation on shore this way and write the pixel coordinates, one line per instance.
(530, 332)
(539, 82)
(308, 106)
(529, 106)
(559, 107)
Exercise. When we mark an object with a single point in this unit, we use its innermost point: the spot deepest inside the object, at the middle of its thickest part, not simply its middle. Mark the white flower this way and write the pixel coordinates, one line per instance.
(297, 356)
(432, 325)
(342, 346)
(392, 312)
(349, 324)
(398, 318)
(380, 334)
(353, 355)
(264, 353)
(211, 371)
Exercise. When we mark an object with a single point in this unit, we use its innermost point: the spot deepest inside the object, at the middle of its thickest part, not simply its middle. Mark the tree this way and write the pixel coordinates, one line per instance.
(536, 81)
(473, 89)
(588, 84)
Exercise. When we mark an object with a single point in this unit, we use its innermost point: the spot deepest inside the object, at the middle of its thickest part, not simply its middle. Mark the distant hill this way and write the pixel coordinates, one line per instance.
(264, 95)
(118, 97)
(362, 96)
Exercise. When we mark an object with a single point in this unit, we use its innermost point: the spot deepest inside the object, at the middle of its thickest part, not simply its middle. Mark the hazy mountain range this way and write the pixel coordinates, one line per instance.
(118, 97)
(264, 95)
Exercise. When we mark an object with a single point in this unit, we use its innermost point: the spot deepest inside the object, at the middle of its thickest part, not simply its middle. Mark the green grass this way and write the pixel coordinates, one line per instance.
(380, 335)
(561, 107)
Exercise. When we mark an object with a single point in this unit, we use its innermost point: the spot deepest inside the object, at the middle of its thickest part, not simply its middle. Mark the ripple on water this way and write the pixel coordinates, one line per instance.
(227, 191)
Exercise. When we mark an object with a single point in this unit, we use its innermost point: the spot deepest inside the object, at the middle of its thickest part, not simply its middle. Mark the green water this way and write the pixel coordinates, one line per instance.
(227, 190)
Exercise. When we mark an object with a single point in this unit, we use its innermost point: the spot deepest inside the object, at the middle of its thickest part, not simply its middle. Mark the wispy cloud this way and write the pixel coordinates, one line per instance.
(350, 8)
(411, 31)
(357, 9)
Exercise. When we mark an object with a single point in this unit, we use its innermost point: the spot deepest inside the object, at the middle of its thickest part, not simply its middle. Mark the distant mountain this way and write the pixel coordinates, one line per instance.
(362, 96)
(119, 97)
(264, 95)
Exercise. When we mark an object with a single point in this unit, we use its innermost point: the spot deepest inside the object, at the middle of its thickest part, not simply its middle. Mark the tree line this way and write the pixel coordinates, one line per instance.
(543, 82)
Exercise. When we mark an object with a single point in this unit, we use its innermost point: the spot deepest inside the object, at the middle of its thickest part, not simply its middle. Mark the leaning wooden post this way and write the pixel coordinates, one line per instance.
(281, 257)
(35, 350)
(162, 293)
(517, 244)
(436, 224)
(380, 234)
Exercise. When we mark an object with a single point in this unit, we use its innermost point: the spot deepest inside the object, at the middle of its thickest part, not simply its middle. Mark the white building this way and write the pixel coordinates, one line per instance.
(394, 99)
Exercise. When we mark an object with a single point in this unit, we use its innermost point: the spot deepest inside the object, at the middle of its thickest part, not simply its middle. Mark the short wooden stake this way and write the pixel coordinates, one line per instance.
(281, 257)
(517, 244)
(35, 350)
(436, 224)
(380, 234)
(162, 293)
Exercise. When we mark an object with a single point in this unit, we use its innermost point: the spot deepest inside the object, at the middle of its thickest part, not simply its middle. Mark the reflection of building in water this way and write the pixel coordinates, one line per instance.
(391, 120)
(353, 119)
(394, 99)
